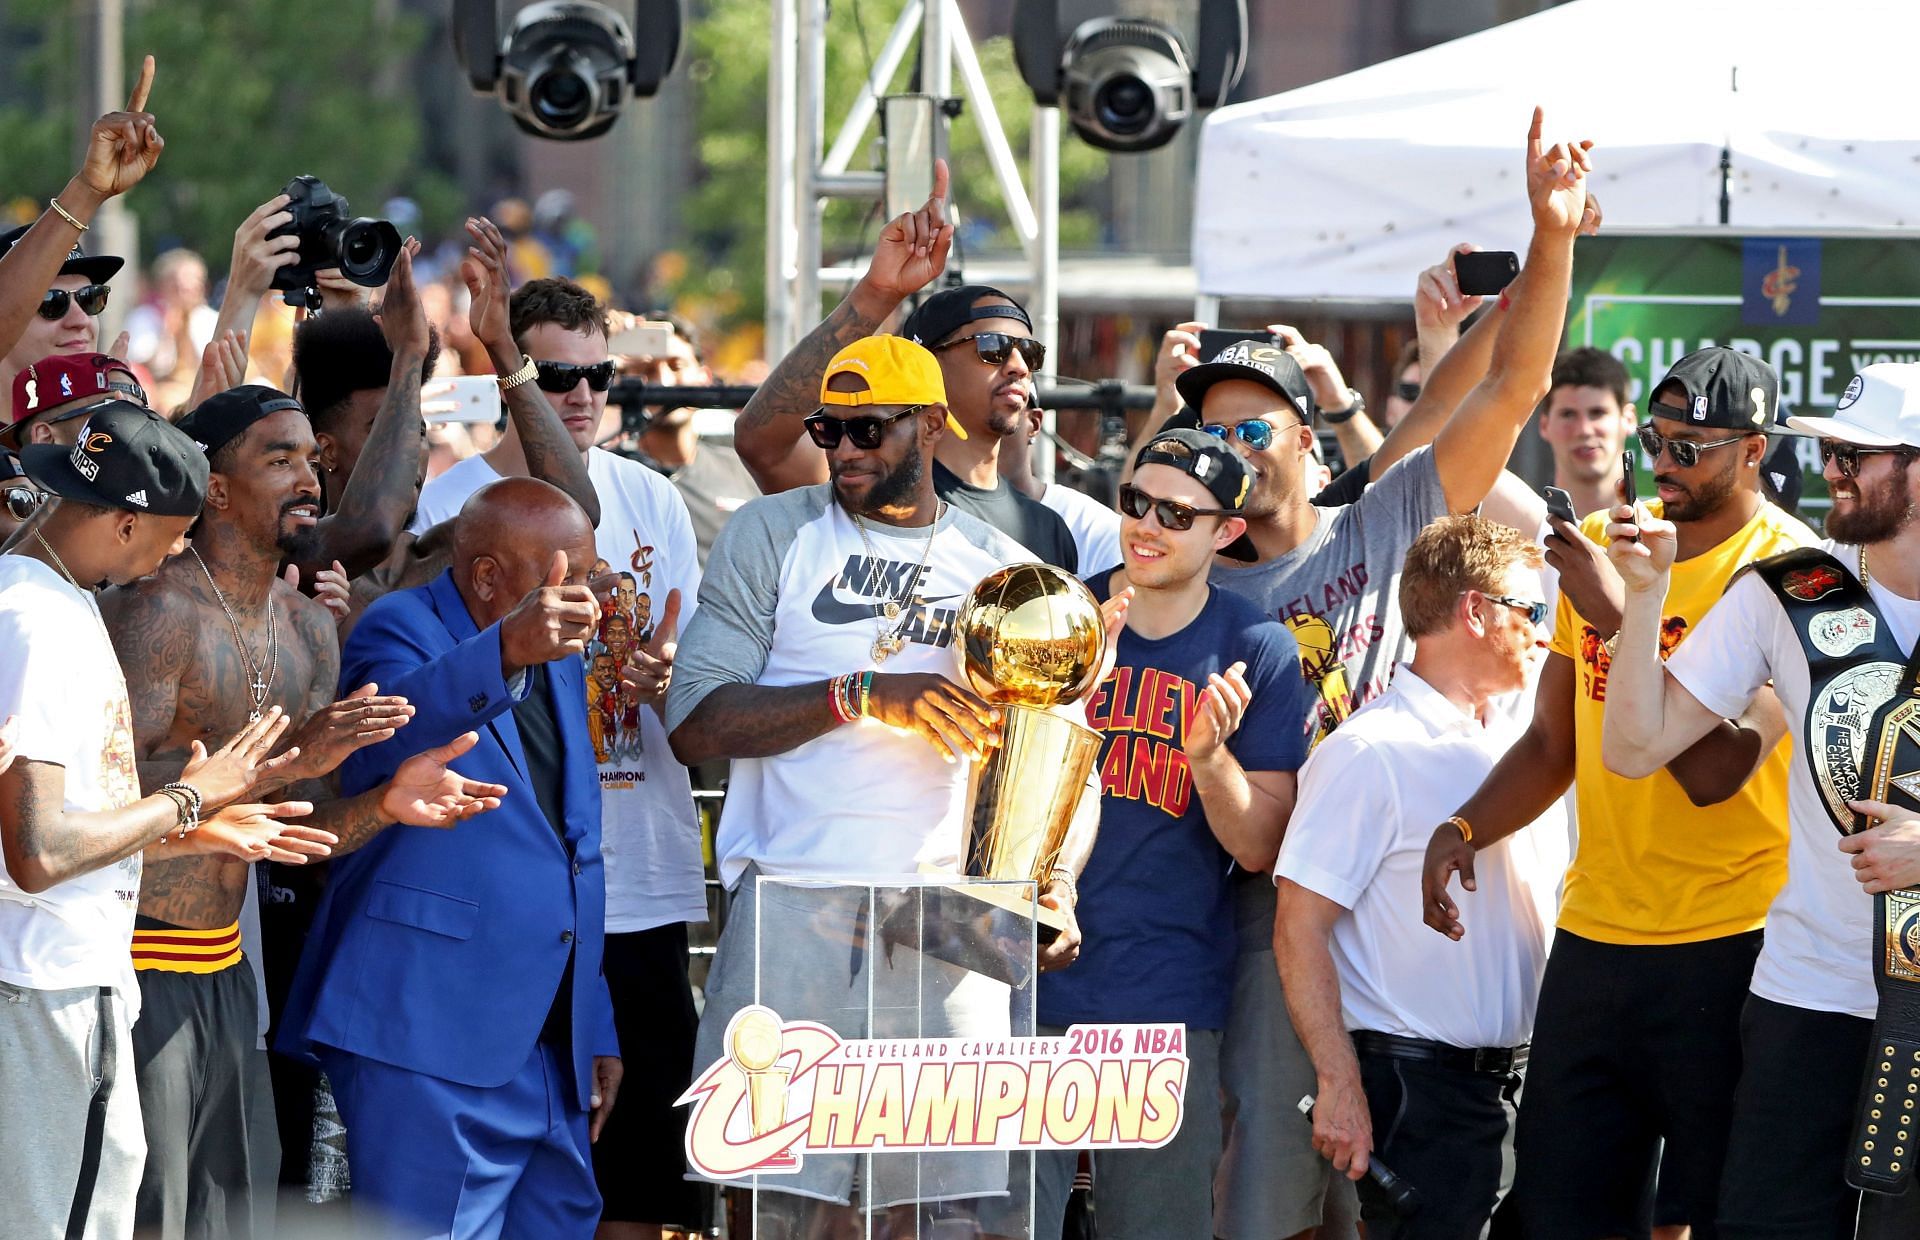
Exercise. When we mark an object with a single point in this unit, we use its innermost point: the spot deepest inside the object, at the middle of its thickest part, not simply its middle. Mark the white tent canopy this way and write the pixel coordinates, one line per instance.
(1349, 187)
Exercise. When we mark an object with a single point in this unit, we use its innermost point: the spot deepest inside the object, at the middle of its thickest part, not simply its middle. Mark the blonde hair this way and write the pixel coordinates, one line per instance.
(1453, 555)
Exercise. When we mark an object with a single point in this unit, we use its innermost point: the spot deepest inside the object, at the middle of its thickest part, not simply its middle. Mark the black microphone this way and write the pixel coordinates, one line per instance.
(1402, 1197)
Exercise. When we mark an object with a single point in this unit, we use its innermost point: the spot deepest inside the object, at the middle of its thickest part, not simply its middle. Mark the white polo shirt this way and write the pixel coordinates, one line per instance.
(1370, 796)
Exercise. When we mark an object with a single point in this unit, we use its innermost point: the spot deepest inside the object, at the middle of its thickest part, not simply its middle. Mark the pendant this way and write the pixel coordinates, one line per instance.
(253, 716)
(259, 688)
(885, 646)
(891, 610)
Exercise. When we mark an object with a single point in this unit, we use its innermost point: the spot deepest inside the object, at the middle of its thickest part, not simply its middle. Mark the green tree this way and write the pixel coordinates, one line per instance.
(249, 93)
(726, 213)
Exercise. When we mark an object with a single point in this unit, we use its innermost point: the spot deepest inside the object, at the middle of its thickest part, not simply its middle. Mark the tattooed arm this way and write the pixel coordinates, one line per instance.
(45, 845)
(911, 252)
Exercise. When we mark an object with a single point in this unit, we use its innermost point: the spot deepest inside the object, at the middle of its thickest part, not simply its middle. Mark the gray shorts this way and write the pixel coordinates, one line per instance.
(1272, 1183)
(1148, 1194)
(819, 961)
(70, 1137)
(213, 1148)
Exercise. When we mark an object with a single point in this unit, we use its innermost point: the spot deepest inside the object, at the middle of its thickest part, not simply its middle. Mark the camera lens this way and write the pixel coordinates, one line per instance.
(561, 98)
(366, 249)
(1124, 104)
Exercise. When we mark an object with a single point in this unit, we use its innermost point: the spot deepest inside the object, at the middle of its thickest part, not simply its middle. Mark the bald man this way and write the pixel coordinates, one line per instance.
(451, 987)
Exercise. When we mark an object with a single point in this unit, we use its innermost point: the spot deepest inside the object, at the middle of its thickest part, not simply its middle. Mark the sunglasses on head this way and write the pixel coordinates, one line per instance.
(92, 299)
(1848, 455)
(1535, 609)
(1171, 513)
(994, 347)
(865, 431)
(23, 502)
(1686, 452)
(1256, 433)
(565, 376)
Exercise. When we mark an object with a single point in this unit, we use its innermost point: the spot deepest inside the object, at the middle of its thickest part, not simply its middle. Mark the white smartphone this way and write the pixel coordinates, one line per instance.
(467, 398)
(646, 338)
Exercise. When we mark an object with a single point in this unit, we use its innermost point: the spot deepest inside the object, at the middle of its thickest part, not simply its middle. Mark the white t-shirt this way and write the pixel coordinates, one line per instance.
(649, 830)
(1817, 952)
(792, 596)
(1096, 527)
(1371, 794)
(61, 680)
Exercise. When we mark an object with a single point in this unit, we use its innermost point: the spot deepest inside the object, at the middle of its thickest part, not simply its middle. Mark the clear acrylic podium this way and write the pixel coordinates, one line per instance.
(933, 957)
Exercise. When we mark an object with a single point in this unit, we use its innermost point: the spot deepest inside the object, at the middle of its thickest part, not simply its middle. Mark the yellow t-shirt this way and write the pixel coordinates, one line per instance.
(1651, 867)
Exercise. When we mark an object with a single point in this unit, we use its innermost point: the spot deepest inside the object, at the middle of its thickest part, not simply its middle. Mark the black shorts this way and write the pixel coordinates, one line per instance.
(1793, 1123)
(1631, 1045)
(640, 1160)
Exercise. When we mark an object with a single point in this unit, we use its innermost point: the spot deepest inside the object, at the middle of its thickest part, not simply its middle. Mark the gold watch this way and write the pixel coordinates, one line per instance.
(525, 374)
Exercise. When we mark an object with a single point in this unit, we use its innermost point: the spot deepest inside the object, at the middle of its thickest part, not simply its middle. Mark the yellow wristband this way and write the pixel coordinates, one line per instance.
(1465, 827)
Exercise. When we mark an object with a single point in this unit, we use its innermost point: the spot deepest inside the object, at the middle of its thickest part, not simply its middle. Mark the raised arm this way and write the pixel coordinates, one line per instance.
(1443, 386)
(1179, 353)
(549, 450)
(768, 435)
(122, 148)
(257, 258)
(1473, 447)
(1359, 438)
(380, 494)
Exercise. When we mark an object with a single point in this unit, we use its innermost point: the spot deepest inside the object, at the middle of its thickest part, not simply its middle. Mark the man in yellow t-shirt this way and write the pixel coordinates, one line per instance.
(1636, 1039)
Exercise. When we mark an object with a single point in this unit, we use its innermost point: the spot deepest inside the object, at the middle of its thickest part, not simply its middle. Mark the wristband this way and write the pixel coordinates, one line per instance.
(1062, 875)
(1463, 826)
(187, 800)
(66, 215)
(525, 374)
(1356, 403)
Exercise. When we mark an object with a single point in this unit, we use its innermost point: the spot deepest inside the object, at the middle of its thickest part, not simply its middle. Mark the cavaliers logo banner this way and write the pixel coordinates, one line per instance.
(789, 1088)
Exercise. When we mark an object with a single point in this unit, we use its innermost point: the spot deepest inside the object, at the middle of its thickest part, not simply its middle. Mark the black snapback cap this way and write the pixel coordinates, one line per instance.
(950, 309)
(98, 268)
(1211, 463)
(1723, 388)
(128, 457)
(1270, 366)
(225, 416)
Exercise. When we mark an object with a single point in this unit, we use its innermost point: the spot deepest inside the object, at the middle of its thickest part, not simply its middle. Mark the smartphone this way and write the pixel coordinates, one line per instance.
(1629, 484)
(1216, 340)
(644, 339)
(1559, 505)
(468, 398)
(1483, 273)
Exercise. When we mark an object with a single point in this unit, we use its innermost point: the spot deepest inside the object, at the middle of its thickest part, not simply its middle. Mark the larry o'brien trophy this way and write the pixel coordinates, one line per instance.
(1030, 637)
(754, 1043)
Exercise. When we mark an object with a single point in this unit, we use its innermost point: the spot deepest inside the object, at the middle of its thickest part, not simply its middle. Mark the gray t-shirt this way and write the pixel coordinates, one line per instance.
(1339, 591)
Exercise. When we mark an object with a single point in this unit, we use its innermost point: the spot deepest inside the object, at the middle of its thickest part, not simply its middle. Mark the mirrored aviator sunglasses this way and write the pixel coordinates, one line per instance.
(1256, 433)
(994, 348)
(92, 299)
(865, 431)
(558, 377)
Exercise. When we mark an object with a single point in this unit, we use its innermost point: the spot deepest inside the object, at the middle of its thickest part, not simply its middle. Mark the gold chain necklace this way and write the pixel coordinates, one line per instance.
(888, 642)
(74, 582)
(1864, 577)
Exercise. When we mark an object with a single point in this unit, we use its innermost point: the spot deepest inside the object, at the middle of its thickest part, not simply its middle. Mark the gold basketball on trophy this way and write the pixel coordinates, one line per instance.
(1031, 638)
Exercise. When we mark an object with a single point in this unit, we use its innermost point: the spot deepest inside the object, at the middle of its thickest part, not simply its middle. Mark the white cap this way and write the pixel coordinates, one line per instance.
(1879, 409)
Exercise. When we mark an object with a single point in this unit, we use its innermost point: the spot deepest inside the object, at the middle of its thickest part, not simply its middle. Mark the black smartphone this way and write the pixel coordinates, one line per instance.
(1483, 273)
(1629, 485)
(1216, 340)
(1559, 505)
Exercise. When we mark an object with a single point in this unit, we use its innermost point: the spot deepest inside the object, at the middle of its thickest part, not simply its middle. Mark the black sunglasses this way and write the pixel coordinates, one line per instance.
(1686, 453)
(1849, 455)
(23, 502)
(1408, 392)
(1171, 513)
(1535, 609)
(92, 299)
(866, 431)
(565, 376)
(994, 347)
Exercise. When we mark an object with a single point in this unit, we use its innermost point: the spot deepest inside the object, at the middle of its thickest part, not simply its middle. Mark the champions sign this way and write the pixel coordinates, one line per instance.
(786, 1089)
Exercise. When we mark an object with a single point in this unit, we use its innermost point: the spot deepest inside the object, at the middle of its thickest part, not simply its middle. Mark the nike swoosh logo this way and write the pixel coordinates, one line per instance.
(828, 609)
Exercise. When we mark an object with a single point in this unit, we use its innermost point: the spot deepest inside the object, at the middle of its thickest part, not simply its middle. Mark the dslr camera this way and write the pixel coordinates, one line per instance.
(363, 249)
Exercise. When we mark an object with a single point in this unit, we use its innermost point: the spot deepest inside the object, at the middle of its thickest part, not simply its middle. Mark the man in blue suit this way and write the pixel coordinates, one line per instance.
(451, 986)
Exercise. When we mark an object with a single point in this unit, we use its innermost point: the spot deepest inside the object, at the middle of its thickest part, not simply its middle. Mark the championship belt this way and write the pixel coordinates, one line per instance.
(1862, 742)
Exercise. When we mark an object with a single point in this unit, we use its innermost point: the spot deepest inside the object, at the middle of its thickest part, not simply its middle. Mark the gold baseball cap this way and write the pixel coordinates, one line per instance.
(896, 371)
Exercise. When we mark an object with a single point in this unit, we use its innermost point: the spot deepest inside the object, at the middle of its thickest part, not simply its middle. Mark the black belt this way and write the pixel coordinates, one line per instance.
(1486, 1060)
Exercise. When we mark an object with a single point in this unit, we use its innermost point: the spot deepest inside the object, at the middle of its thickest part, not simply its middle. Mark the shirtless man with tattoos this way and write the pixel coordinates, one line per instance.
(211, 640)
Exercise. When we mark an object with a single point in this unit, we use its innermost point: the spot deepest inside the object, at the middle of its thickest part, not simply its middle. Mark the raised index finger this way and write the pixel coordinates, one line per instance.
(137, 102)
(937, 200)
(1533, 134)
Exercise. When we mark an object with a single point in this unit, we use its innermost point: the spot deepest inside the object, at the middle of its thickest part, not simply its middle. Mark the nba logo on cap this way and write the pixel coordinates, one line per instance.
(1699, 408)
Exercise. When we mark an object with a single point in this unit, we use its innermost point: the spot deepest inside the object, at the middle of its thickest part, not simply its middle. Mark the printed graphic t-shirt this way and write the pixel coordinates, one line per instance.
(1156, 907)
(649, 830)
(1650, 866)
(61, 681)
(793, 595)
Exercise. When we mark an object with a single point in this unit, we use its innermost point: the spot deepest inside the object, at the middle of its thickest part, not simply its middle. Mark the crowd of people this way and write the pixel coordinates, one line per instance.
(1552, 850)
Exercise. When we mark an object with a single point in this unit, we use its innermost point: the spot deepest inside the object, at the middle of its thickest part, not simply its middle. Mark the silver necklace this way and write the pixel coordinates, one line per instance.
(887, 641)
(257, 685)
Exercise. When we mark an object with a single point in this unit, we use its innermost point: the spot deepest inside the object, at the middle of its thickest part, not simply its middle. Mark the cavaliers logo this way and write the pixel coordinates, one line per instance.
(96, 441)
(1779, 285)
(1810, 585)
(90, 445)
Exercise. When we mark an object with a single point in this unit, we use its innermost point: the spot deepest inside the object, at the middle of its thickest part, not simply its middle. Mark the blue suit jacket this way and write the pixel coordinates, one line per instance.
(440, 951)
